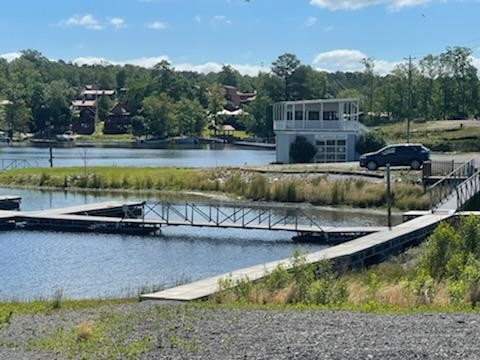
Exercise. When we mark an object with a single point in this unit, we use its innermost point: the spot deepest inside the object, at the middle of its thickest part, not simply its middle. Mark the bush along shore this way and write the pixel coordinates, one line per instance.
(443, 273)
(314, 189)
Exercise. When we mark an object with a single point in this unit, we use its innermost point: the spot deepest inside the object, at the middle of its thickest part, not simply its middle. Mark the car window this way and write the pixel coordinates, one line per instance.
(389, 151)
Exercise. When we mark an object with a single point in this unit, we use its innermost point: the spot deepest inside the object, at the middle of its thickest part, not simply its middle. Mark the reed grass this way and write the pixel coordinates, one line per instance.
(317, 190)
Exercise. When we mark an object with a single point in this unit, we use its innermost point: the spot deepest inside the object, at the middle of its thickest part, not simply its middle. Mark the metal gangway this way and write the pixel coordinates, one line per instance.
(456, 189)
(232, 215)
(11, 164)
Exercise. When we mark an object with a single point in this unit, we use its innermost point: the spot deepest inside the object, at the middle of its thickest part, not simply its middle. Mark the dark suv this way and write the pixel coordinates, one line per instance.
(413, 155)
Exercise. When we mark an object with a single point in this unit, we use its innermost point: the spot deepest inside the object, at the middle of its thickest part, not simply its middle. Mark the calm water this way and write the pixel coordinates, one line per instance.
(203, 156)
(35, 264)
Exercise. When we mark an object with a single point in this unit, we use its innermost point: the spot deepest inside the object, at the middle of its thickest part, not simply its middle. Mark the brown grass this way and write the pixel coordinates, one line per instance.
(441, 297)
(85, 330)
(284, 296)
(357, 293)
(396, 295)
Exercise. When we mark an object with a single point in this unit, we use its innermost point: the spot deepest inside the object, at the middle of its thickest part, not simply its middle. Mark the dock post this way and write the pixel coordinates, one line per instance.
(389, 197)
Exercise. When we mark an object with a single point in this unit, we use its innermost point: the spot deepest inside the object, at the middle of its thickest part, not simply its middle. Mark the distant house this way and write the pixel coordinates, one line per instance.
(237, 99)
(84, 124)
(331, 125)
(79, 105)
(118, 120)
(90, 92)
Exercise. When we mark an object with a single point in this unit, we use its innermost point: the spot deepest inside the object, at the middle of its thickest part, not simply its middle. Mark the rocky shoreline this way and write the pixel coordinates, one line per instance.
(178, 331)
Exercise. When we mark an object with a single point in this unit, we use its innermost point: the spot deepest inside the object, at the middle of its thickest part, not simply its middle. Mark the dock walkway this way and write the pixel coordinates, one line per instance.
(353, 253)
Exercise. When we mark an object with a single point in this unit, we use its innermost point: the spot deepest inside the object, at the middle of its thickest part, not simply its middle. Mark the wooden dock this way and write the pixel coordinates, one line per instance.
(359, 252)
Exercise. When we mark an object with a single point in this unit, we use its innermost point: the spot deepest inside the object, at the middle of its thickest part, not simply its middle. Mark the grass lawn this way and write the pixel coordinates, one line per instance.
(99, 136)
(445, 135)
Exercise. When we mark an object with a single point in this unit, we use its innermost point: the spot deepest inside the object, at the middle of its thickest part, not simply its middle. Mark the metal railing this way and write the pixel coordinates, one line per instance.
(11, 164)
(468, 189)
(230, 215)
(445, 188)
(440, 167)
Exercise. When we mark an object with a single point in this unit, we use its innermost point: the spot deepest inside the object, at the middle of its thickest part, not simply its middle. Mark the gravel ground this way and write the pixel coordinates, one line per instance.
(186, 332)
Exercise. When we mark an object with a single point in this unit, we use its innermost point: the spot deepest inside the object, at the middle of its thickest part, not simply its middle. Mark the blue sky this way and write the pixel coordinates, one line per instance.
(203, 34)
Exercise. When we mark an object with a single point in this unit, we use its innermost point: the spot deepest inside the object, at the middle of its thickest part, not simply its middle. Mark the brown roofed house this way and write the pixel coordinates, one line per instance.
(118, 120)
(237, 99)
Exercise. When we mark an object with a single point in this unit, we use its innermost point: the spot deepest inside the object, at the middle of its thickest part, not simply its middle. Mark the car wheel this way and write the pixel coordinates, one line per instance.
(415, 164)
(372, 165)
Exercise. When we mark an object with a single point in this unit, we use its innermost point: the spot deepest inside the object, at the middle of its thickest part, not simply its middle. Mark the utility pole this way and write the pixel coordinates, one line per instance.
(410, 97)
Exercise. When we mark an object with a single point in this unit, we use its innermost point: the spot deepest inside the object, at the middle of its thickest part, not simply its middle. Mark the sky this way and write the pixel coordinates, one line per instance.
(202, 35)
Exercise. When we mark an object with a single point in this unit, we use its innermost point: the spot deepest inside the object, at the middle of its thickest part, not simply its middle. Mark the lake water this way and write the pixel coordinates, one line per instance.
(201, 156)
(35, 264)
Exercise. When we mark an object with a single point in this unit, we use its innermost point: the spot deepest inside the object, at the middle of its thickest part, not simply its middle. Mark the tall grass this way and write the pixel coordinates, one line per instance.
(317, 190)
(442, 273)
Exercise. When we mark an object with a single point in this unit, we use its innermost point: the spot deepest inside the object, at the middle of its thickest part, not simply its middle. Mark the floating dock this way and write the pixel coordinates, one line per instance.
(10, 202)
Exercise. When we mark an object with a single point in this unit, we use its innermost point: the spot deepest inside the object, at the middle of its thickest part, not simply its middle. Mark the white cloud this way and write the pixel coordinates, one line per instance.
(157, 25)
(117, 23)
(198, 18)
(311, 20)
(11, 56)
(220, 19)
(349, 60)
(87, 21)
(149, 62)
(358, 4)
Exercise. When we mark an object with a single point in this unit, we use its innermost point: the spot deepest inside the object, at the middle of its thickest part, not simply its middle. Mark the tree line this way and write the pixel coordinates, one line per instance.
(165, 102)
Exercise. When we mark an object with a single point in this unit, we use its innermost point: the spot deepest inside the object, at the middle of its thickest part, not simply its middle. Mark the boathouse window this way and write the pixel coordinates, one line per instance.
(298, 115)
(313, 115)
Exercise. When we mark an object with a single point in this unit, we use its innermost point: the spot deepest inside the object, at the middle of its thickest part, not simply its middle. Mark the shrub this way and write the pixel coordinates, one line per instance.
(369, 142)
(279, 278)
(301, 150)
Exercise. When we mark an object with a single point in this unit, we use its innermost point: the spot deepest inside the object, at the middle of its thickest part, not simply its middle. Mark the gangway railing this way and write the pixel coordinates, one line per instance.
(447, 187)
(246, 216)
(468, 189)
(11, 164)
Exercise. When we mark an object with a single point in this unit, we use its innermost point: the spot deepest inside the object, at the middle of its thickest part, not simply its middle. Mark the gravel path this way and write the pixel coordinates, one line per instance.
(186, 332)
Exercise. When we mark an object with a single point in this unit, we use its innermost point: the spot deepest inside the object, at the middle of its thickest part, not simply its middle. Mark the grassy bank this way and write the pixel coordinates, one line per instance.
(444, 273)
(315, 189)
(452, 135)
(11, 309)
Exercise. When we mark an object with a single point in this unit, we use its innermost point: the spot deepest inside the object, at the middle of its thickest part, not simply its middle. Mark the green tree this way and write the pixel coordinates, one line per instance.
(157, 115)
(228, 76)
(216, 102)
(104, 105)
(190, 117)
(306, 83)
(56, 107)
(284, 67)
(259, 119)
(16, 117)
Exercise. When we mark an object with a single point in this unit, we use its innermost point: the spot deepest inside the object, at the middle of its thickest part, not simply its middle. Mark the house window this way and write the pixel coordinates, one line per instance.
(313, 115)
(298, 115)
(289, 115)
(330, 115)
